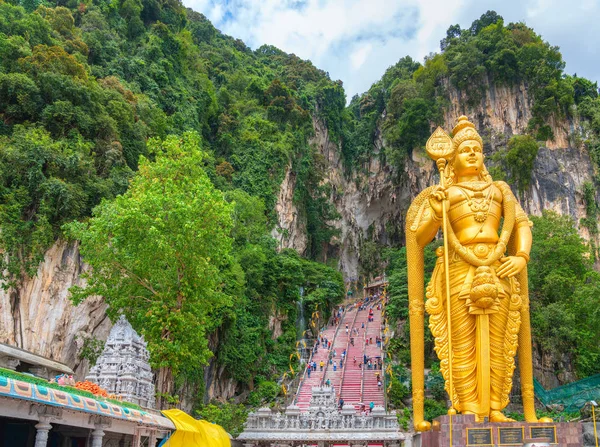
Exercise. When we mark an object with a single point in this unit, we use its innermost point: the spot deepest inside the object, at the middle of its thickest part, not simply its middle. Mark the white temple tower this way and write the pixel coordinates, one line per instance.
(123, 366)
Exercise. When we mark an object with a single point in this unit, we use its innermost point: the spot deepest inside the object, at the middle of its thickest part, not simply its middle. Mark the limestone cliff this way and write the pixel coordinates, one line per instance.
(373, 204)
(40, 317)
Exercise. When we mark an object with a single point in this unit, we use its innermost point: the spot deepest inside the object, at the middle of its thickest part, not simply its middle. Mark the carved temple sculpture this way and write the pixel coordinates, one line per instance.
(322, 424)
(122, 368)
(480, 281)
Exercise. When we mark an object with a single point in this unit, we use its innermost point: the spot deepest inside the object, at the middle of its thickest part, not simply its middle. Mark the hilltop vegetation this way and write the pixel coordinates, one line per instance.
(86, 89)
(471, 60)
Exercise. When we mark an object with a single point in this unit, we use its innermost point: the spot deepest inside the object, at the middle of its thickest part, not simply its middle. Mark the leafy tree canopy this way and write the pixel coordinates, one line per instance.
(156, 252)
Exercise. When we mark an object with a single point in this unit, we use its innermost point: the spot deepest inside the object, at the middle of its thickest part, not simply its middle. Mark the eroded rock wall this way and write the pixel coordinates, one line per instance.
(373, 204)
(40, 317)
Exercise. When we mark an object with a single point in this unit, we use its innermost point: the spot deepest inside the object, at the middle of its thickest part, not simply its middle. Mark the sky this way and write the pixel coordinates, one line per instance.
(357, 40)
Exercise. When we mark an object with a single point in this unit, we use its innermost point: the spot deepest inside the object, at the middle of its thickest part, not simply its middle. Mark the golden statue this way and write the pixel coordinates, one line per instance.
(475, 281)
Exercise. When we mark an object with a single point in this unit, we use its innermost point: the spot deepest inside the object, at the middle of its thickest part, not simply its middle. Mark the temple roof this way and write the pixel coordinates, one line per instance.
(33, 359)
(18, 389)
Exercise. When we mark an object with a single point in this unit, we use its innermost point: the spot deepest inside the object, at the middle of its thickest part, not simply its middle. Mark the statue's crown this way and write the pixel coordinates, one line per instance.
(463, 131)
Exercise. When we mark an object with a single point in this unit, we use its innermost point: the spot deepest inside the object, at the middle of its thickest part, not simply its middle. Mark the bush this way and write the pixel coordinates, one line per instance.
(397, 392)
(265, 392)
(228, 415)
(433, 409)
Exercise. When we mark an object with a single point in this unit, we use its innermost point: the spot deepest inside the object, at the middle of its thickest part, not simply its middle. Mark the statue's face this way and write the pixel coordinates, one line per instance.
(469, 158)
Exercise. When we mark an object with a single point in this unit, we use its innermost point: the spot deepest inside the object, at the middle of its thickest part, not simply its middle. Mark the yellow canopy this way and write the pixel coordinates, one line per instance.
(193, 433)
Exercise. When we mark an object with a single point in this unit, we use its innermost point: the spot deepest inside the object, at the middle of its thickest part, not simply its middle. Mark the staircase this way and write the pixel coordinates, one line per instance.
(356, 384)
(352, 383)
(318, 377)
(370, 391)
(342, 343)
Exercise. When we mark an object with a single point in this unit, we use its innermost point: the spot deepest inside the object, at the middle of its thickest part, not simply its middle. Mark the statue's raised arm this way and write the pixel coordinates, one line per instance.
(477, 297)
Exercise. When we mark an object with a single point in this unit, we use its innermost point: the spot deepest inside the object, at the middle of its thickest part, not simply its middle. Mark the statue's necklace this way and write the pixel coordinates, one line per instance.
(475, 186)
(479, 204)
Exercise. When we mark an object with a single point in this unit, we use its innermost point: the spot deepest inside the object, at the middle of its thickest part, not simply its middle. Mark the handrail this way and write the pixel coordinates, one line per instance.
(332, 344)
(307, 365)
(362, 370)
(347, 350)
(312, 351)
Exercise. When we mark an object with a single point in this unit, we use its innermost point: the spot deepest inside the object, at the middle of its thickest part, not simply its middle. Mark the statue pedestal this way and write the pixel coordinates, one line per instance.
(466, 433)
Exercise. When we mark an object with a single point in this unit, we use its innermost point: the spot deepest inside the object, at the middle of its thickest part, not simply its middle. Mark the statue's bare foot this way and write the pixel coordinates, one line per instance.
(423, 426)
(497, 416)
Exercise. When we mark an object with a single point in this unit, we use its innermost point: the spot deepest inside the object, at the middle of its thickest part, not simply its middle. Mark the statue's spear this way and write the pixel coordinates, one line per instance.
(439, 148)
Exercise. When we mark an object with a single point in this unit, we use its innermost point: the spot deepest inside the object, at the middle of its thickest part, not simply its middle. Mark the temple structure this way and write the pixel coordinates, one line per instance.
(122, 368)
(322, 425)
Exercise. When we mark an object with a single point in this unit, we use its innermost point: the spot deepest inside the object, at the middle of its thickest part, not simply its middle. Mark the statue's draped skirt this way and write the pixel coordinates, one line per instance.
(504, 325)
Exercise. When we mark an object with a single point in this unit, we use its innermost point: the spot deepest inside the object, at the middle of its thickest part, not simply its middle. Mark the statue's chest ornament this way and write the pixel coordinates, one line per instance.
(477, 201)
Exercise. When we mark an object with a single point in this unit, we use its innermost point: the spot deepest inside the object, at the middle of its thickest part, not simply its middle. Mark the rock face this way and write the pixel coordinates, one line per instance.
(40, 317)
(373, 204)
(368, 202)
(291, 229)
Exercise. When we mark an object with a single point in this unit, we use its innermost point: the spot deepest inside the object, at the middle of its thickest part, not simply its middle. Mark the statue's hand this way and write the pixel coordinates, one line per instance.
(511, 265)
(436, 200)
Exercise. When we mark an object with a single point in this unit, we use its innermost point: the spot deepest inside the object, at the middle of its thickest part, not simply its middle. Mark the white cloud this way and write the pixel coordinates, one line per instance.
(356, 40)
(359, 56)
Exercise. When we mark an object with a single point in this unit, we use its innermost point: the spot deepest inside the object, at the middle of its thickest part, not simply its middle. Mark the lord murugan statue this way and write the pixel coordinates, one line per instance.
(477, 297)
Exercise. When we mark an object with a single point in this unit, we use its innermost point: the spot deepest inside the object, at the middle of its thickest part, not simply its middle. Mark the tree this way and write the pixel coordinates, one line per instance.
(487, 19)
(564, 293)
(452, 33)
(522, 151)
(158, 252)
(229, 415)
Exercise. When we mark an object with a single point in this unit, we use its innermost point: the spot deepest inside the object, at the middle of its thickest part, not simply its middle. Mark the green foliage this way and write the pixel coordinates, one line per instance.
(397, 307)
(517, 161)
(369, 256)
(157, 253)
(410, 98)
(45, 182)
(397, 392)
(433, 409)
(564, 293)
(266, 391)
(410, 109)
(85, 90)
(75, 72)
(412, 130)
(404, 418)
(590, 221)
(272, 285)
(91, 349)
(228, 415)
(509, 54)
(435, 383)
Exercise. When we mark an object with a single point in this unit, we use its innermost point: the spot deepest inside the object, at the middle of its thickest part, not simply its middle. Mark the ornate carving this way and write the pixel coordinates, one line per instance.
(123, 368)
(322, 422)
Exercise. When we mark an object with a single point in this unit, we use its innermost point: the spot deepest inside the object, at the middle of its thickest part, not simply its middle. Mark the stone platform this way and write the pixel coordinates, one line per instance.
(466, 432)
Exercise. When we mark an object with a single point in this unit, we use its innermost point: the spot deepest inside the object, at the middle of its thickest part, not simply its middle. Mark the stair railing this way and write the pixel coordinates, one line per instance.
(332, 345)
(347, 350)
